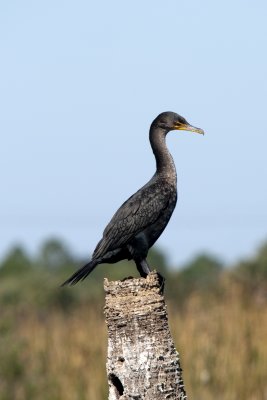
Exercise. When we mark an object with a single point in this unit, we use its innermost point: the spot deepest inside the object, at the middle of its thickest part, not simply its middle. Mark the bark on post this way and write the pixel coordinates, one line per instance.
(142, 362)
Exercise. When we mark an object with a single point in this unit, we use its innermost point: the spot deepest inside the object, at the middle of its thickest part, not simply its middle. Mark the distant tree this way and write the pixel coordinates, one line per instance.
(252, 273)
(202, 271)
(201, 274)
(261, 260)
(54, 254)
(16, 261)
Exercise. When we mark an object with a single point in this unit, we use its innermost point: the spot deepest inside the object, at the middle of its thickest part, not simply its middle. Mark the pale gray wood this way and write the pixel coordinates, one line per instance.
(142, 363)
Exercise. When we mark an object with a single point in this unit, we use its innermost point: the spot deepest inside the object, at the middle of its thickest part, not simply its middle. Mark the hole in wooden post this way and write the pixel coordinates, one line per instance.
(116, 383)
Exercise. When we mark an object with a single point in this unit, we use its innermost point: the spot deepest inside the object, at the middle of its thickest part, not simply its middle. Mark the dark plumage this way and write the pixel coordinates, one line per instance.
(139, 222)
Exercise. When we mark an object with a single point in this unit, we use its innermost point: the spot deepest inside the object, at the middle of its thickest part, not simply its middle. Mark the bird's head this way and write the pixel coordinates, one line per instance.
(170, 121)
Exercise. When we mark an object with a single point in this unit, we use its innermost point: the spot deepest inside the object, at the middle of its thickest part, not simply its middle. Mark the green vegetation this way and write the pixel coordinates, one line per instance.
(53, 339)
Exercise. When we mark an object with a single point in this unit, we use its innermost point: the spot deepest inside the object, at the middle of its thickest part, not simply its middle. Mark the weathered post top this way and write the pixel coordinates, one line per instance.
(142, 361)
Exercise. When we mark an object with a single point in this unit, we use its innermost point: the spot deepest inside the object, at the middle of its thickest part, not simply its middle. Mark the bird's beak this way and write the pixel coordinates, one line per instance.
(187, 127)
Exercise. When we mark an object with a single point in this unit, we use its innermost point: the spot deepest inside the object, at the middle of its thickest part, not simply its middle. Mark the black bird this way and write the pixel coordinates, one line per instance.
(140, 221)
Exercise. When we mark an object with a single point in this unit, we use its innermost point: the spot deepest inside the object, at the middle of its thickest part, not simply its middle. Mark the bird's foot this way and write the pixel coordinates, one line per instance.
(161, 282)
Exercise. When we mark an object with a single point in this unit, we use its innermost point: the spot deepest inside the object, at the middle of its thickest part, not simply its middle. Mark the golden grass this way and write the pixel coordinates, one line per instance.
(223, 350)
(57, 355)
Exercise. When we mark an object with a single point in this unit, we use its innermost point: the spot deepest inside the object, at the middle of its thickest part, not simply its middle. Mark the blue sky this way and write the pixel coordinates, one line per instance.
(80, 83)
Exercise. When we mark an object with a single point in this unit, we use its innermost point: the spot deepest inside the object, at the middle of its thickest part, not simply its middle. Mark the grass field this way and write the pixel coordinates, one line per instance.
(54, 348)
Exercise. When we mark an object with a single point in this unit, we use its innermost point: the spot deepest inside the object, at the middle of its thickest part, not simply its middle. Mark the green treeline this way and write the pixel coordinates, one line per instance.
(41, 276)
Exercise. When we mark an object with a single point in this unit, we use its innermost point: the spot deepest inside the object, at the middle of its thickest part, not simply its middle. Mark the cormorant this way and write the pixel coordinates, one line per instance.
(140, 221)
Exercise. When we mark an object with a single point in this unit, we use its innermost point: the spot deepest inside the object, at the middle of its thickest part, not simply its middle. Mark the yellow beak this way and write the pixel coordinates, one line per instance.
(187, 127)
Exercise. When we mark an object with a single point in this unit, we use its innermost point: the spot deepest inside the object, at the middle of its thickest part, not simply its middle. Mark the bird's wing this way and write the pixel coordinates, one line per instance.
(138, 212)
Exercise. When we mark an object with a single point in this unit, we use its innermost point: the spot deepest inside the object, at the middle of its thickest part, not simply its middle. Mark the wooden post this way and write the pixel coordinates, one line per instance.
(142, 363)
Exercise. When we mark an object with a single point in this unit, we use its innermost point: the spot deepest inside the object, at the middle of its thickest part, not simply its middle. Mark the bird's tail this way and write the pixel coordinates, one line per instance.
(81, 274)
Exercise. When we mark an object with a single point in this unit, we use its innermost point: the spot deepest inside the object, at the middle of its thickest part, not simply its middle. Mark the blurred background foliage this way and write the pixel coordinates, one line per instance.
(53, 339)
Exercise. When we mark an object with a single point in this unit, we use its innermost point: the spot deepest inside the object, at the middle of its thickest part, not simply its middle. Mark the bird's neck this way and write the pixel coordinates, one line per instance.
(164, 160)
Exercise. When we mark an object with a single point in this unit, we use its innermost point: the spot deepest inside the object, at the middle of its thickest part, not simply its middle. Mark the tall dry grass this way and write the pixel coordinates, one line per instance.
(223, 348)
(59, 355)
